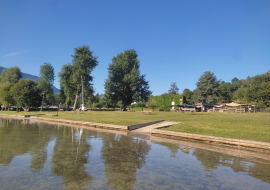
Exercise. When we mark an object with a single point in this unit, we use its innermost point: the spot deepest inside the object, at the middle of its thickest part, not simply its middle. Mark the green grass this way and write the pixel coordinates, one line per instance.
(247, 126)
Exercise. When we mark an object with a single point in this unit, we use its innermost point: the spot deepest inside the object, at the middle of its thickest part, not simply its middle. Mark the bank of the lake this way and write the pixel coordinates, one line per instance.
(247, 126)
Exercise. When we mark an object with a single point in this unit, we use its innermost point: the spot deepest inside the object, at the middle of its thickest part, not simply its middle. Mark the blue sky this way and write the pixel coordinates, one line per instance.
(176, 40)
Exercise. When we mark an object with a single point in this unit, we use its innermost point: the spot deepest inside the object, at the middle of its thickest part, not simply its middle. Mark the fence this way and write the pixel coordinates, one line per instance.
(237, 110)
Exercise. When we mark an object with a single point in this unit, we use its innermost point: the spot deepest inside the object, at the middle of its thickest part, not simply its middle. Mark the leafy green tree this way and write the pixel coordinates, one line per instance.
(225, 92)
(207, 87)
(66, 83)
(234, 80)
(259, 89)
(124, 82)
(26, 94)
(6, 97)
(10, 75)
(174, 89)
(71, 74)
(152, 103)
(188, 94)
(239, 95)
(60, 97)
(45, 81)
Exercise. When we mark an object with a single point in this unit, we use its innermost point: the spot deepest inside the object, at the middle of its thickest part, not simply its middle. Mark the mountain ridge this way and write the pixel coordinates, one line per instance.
(32, 77)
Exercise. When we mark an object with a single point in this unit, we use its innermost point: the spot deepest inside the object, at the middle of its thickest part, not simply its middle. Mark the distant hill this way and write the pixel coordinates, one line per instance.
(32, 77)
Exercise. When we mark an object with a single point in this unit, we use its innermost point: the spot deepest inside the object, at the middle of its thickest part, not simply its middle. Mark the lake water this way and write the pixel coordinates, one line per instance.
(36, 155)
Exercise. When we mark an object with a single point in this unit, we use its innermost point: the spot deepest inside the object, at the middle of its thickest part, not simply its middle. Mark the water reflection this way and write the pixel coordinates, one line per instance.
(212, 159)
(122, 157)
(72, 157)
(26, 139)
(69, 157)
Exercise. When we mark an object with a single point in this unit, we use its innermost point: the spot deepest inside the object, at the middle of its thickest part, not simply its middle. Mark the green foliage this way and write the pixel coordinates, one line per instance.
(152, 103)
(70, 76)
(66, 82)
(207, 87)
(225, 92)
(11, 75)
(259, 104)
(176, 99)
(139, 104)
(26, 94)
(188, 94)
(260, 92)
(124, 82)
(164, 101)
(60, 97)
(239, 95)
(45, 82)
(6, 96)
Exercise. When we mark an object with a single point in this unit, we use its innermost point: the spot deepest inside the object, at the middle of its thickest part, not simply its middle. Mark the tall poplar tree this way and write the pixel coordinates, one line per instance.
(45, 81)
(81, 67)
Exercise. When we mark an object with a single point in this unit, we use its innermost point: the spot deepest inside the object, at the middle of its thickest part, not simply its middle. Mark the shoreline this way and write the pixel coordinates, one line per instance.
(256, 146)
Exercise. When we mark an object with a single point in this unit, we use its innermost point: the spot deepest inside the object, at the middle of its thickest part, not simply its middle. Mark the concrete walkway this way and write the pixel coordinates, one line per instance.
(148, 128)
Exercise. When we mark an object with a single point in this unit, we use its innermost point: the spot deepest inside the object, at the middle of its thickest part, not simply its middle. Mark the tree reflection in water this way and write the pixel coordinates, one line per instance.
(210, 160)
(122, 157)
(69, 157)
(24, 137)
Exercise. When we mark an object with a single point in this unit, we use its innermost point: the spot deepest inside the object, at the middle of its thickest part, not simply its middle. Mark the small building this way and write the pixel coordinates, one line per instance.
(203, 107)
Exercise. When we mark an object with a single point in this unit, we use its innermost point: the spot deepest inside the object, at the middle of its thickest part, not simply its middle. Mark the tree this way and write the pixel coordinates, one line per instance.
(11, 75)
(67, 84)
(124, 82)
(259, 89)
(234, 80)
(6, 96)
(188, 94)
(173, 90)
(152, 103)
(45, 81)
(207, 87)
(26, 94)
(71, 74)
(225, 92)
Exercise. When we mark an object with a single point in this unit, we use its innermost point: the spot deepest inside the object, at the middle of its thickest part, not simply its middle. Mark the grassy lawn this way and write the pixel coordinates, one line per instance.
(247, 126)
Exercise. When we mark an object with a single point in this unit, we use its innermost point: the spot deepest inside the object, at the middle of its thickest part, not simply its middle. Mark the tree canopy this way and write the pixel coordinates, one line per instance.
(81, 67)
(10, 75)
(207, 87)
(26, 94)
(188, 94)
(45, 81)
(124, 82)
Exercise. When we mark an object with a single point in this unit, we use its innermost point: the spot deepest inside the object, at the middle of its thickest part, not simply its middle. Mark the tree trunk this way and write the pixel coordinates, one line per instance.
(42, 102)
(75, 103)
(125, 107)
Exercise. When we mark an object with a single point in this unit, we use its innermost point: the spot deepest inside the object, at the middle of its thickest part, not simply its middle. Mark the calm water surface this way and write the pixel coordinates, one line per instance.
(37, 155)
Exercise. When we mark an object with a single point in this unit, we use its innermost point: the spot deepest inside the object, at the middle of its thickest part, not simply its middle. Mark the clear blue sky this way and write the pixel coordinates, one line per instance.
(176, 40)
